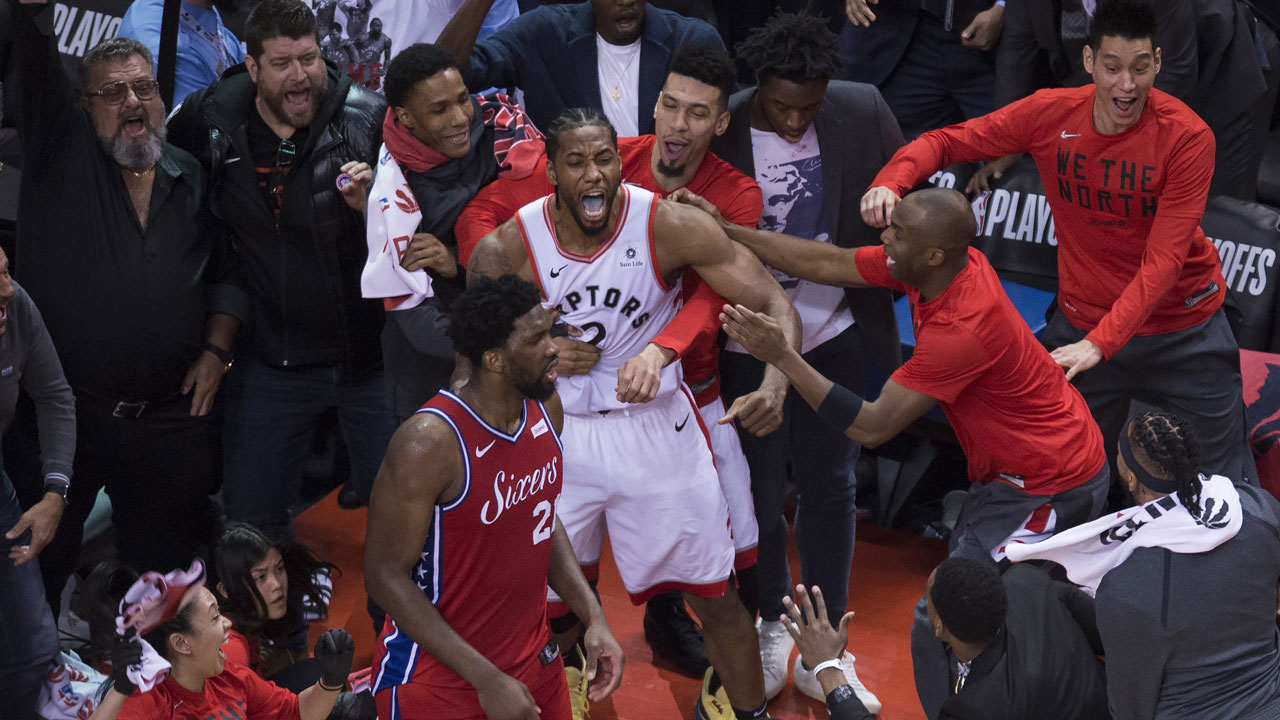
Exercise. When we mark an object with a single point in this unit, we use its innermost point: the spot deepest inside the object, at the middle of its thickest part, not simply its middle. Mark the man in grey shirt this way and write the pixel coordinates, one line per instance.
(1191, 635)
(28, 636)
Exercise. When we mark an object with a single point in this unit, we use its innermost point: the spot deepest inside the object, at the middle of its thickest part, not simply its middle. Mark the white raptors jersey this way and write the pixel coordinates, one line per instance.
(615, 296)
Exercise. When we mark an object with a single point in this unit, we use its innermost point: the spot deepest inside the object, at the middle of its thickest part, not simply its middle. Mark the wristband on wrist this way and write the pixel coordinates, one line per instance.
(223, 355)
(826, 664)
(840, 407)
(326, 688)
(57, 484)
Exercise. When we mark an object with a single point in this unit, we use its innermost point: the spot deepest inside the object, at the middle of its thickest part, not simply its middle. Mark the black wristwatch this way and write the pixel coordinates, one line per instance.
(58, 486)
(837, 697)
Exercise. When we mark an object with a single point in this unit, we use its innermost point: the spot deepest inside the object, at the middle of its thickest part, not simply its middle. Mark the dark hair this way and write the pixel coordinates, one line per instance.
(240, 548)
(969, 599)
(707, 63)
(1128, 19)
(105, 588)
(793, 46)
(1167, 446)
(410, 67)
(484, 315)
(278, 18)
(573, 119)
(114, 49)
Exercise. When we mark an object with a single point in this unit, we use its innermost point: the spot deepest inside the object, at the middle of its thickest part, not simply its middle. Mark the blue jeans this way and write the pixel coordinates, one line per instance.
(28, 636)
(820, 461)
(272, 414)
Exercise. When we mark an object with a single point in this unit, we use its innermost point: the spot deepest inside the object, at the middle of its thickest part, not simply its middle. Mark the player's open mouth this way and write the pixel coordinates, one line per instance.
(674, 150)
(626, 24)
(462, 138)
(593, 208)
(551, 373)
(1125, 105)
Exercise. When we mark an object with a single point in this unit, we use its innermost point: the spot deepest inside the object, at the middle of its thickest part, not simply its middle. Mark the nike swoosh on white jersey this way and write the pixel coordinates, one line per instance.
(1067, 136)
(480, 453)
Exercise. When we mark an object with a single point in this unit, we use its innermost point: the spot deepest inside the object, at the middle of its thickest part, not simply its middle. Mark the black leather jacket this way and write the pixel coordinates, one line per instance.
(301, 272)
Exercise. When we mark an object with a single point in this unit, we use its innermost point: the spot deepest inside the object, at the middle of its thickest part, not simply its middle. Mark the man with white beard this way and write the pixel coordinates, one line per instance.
(115, 249)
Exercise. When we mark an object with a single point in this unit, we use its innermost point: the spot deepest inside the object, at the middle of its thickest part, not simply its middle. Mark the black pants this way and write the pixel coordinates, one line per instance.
(1194, 373)
(938, 81)
(158, 469)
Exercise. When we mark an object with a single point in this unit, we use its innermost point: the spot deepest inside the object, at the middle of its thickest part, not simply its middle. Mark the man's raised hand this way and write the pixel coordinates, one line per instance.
(877, 206)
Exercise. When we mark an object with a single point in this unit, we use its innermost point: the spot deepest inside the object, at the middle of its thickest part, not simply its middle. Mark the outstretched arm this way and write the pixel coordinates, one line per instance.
(872, 424)
(459, 36)
(822, 263)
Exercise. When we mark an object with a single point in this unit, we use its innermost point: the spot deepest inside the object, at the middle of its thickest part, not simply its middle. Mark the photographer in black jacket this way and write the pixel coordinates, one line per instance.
(288, 142)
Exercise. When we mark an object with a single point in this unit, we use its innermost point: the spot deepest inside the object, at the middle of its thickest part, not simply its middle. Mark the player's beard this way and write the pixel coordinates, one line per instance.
(538, 388)
(671, 171)
(573, 212)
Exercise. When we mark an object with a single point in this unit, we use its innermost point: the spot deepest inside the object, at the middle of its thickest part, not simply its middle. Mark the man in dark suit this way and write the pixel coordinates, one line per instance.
(811, 144)
(610, 55)
(1019, 646)
(931, 59)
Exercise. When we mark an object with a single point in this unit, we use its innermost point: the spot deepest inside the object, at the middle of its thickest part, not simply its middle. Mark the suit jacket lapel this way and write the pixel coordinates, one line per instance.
(582, 51)
(828, 139)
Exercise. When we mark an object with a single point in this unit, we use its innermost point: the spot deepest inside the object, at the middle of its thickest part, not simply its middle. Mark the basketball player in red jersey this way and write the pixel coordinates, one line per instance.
(611, 258)
(463, 537)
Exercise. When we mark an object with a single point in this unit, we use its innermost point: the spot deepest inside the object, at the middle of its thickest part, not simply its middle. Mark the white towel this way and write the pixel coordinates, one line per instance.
(388, 229)
(1088, 551)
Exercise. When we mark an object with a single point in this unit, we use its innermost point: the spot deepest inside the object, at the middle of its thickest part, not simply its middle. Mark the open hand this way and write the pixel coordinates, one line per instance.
(203, 377)
(1077, 357)
(504, 698)
(877, 206)
(994, 170)
(859, 13)
(807, 623)
(685, 197)
(42, 519)
(984, 32)
(756, 332)
(576, 357)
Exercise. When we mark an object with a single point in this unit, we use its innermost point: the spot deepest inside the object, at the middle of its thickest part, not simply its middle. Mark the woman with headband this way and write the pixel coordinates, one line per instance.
(173, 620)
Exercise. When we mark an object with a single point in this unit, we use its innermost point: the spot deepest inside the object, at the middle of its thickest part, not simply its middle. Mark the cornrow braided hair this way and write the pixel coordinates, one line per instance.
(798, 47)
(1170, 449)
(573, 119)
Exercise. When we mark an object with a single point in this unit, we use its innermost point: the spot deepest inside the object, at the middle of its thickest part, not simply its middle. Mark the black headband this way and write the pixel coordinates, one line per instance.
(1126, 451)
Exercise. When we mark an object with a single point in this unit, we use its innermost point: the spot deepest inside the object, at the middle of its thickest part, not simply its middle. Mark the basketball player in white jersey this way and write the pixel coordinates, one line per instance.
(610, 257)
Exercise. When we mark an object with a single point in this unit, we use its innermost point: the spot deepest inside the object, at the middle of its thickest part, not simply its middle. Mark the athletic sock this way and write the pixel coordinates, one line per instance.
(760, 712)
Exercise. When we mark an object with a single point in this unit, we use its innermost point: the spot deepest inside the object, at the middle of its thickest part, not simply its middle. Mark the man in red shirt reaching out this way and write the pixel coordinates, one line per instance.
(1126, 170)
(1035, 456)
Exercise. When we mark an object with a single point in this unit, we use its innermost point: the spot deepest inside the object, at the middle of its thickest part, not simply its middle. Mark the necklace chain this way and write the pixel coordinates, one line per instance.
(141, 173)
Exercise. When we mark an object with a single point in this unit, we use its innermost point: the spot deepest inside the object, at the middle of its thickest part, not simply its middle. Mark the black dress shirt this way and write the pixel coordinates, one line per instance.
(126, 307)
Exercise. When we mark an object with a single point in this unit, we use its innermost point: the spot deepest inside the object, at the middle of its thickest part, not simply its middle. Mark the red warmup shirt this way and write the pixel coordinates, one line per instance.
(237, 692)
(1017, 418)
(692, 333)
(1132, 259)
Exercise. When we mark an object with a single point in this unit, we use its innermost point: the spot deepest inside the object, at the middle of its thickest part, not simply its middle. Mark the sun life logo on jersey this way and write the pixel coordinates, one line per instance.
(631, 261)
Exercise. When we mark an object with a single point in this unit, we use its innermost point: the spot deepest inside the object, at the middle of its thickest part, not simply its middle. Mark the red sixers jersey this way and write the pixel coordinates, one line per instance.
(484, 564)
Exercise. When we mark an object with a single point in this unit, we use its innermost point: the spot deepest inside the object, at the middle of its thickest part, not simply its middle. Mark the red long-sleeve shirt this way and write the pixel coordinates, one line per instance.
(1132, 259)
(692, 332)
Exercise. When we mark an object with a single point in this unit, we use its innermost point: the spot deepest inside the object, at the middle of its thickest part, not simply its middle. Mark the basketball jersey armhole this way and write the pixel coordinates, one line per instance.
(528, 250)
(550, 425)
(466, 461)
(653, 246)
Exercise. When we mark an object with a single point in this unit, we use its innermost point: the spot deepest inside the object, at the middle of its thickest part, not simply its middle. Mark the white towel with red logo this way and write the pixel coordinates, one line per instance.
(1089, 551)
(391, 218)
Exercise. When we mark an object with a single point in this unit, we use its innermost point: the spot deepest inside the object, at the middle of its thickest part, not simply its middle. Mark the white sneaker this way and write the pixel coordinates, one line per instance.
(775, 655)
(807, 683)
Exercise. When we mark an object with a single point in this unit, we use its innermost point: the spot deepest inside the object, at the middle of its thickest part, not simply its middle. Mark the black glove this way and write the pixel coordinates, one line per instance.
(335, 651)
(125, 652)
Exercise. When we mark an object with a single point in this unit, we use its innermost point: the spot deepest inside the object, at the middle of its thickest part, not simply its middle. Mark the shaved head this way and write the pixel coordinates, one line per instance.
(948, 216)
